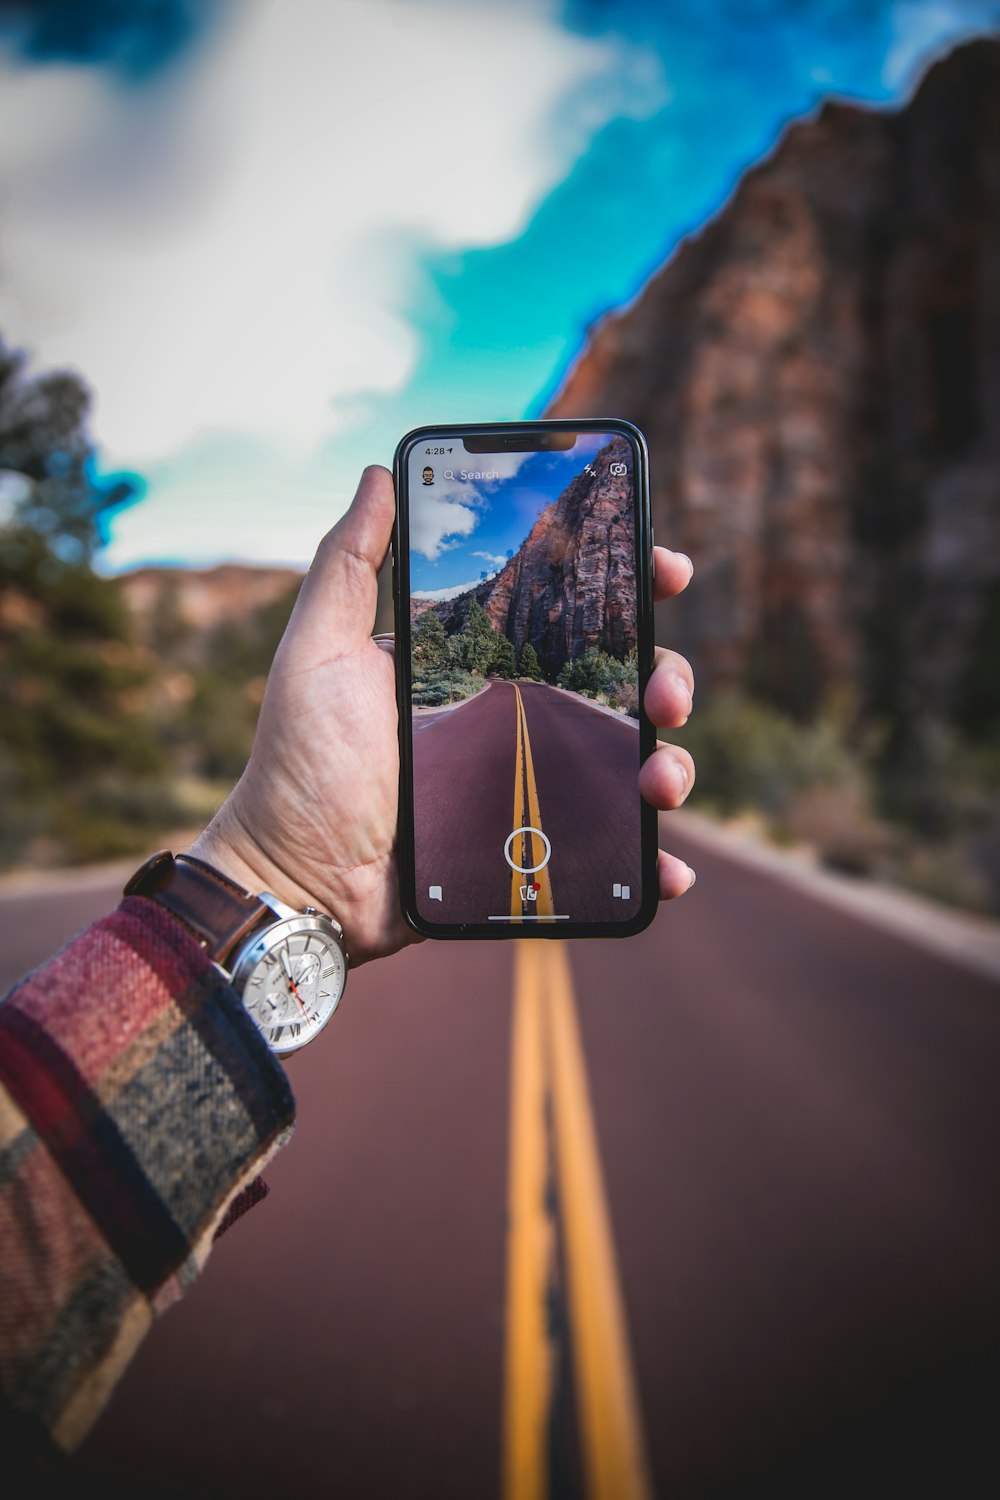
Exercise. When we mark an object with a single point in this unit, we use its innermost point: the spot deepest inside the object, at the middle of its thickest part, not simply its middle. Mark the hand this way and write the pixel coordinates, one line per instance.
(313, 818)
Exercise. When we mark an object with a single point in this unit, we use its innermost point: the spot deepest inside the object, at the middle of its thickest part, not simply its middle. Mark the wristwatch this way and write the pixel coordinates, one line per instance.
(288, 967)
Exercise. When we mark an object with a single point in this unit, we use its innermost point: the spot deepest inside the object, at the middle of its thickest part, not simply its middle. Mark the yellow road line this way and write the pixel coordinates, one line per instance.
(530, 1247)
(548, 1066)
(544, 902)
(516, 908)
(615, 1460)
(524, 774)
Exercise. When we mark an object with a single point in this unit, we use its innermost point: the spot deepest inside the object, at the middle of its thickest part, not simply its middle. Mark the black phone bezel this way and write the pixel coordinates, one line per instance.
(508, 433)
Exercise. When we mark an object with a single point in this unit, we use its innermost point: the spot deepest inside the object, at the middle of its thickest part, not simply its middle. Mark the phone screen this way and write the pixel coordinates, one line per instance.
(521, 713)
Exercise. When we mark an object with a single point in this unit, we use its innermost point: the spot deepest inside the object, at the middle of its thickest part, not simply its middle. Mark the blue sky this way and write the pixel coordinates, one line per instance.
(495, 515)
(274, 236)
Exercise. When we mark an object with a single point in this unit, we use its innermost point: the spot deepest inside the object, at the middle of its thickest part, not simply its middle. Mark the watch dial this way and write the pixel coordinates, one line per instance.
(293, 989)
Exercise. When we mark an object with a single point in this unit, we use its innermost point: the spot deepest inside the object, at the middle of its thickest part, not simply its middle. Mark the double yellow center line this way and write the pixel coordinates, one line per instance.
(556, 1202)
(528, 849)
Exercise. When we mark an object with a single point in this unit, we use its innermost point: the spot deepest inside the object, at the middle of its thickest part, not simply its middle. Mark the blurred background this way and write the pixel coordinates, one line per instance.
(245, 246)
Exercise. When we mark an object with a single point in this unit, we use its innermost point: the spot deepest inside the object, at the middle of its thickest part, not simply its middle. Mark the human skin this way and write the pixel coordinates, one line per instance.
(313, 817)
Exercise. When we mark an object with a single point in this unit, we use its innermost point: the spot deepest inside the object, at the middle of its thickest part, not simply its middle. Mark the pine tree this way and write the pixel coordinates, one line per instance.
(529, 662)
(69, 728)
(480, 640)
(44, 440)
(430, 644)
(504, 661)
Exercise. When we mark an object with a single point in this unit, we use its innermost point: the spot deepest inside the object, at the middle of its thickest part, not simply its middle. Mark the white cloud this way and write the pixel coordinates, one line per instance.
(439, 518)
(232, 248)
(441, 515)
(495, 558)
(449, 593)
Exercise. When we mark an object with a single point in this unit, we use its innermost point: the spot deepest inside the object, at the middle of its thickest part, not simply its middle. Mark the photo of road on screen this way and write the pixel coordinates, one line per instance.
(524, 657)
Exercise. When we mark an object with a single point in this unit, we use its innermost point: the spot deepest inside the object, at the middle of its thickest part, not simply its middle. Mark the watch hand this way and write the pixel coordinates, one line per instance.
(286, 965)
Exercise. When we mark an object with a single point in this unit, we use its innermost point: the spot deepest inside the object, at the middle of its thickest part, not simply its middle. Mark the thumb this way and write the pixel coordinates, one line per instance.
(340, 593)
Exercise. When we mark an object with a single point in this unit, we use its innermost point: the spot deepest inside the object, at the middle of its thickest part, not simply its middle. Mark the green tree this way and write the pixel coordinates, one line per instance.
(504, 663)
(51, 488)
(430, 644)
(598, 674)
(478, 641)
(72, 728)
(530, 666)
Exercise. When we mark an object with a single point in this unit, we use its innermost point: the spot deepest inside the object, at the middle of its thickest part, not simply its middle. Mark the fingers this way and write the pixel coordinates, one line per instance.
(340, 592)
(667, 776)
(675, 876)
(672, 572)
(670, 690)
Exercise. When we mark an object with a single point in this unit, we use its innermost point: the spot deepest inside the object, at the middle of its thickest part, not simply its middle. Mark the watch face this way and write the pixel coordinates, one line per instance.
(291, 980)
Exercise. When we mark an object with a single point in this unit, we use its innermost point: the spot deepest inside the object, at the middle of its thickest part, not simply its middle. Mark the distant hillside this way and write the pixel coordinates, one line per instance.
(571, 585)
(818, 374)
(194, 602)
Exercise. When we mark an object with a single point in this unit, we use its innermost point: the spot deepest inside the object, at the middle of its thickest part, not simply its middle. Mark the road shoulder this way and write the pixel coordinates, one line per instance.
(598, 708)
(970, 941)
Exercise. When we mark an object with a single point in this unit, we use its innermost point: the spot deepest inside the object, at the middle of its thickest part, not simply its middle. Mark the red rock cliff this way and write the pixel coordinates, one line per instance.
(818, 375)
(571, 584)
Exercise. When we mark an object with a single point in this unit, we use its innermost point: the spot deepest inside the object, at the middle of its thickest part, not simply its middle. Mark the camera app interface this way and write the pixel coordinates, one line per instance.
(525, 727)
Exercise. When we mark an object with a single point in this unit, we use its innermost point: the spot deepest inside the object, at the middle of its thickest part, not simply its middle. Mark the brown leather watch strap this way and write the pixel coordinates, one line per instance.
(212, 907)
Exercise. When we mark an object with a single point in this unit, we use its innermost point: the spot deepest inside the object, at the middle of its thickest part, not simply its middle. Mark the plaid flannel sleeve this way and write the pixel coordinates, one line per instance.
(137, 1102)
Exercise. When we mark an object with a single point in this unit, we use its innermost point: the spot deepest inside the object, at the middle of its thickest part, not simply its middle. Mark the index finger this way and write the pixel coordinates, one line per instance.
(672, 572)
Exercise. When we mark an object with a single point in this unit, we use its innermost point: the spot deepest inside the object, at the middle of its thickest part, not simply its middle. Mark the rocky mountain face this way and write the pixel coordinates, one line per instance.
(818, 375)
(571, 584)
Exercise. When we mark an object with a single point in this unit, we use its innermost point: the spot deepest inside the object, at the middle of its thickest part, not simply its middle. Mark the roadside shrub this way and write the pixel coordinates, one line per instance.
(596, 674)
(444, 686)
(750, 755)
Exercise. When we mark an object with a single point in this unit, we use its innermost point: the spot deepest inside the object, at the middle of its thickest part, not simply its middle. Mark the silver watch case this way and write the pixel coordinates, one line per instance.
(289, 922)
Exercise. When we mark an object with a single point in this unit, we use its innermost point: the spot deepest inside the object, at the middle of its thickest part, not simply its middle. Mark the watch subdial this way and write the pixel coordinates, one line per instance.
(308, 966)
(270, 1010)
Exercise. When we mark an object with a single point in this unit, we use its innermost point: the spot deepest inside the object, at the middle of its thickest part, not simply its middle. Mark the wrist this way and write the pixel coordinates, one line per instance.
(229, 847)
(288, 966)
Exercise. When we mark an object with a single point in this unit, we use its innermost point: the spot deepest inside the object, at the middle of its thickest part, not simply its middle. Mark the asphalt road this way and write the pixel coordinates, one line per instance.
(797, 1116)
(578, 766)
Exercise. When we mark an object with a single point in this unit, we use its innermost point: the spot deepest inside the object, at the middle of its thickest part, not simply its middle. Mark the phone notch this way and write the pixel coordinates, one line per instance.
(520, 442)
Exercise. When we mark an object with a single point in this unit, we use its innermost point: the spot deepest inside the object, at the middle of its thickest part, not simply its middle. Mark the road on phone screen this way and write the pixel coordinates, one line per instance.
(526, 756)
(712, 1211)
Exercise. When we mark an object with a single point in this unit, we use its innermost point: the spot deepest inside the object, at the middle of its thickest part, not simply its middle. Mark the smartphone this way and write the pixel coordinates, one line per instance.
(523, 590)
